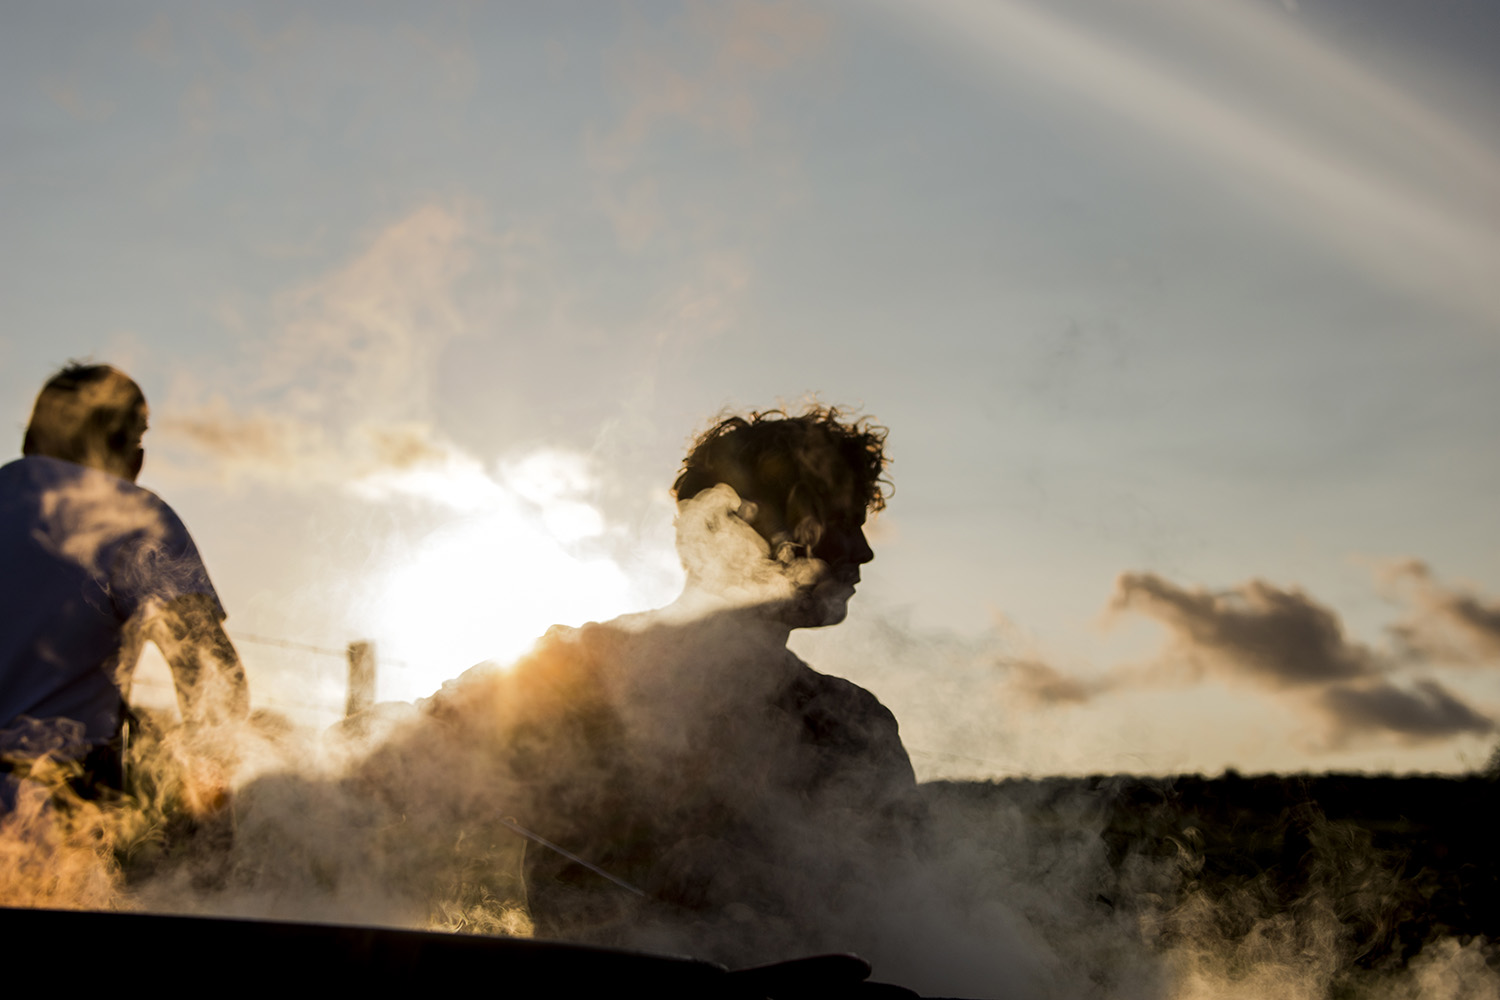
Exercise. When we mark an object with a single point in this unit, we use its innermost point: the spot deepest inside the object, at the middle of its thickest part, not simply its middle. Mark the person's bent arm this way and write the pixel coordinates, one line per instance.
(211, 693)
(210, 681)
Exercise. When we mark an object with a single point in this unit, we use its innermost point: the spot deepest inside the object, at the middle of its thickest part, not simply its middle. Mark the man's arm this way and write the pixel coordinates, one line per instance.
(211, 687)
(211, 692)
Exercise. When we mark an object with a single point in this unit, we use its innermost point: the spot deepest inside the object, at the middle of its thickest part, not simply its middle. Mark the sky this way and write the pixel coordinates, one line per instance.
(1184, 319)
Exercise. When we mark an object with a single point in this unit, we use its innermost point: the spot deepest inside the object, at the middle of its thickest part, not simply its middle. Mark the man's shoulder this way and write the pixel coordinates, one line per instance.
(161, 514)
(850, 721)
(81, 489)
(838, 693)
(838, 705)
(52, 509)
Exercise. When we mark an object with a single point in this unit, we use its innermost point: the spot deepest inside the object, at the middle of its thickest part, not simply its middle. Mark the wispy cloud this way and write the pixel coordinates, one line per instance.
(1038, 683)
(1449, 624)
(340, 389)
(705, 72)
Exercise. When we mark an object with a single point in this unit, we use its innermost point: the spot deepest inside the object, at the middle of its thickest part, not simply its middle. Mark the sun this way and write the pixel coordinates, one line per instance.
(527, 552)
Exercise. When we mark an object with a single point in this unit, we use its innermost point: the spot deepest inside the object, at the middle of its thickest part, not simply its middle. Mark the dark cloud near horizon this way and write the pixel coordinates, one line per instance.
(1429, 711)
(1281, 638)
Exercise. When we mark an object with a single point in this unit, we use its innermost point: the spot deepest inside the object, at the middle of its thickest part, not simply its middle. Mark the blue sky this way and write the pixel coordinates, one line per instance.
(428, 302)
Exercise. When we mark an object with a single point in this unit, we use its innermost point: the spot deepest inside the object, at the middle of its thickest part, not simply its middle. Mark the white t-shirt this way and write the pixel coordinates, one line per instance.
(82, 553)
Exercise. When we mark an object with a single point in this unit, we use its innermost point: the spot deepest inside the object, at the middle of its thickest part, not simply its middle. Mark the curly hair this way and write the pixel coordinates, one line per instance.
(769, 453)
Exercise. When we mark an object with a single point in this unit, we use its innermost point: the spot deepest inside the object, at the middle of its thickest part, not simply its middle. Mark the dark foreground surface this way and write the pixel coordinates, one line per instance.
(1389, 864)
(256, 955)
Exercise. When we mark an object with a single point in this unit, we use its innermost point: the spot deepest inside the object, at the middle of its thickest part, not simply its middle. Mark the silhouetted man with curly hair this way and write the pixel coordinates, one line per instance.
(697, 785)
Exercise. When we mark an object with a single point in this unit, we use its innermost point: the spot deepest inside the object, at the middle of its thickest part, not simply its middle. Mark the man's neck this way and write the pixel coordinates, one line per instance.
(756, 624)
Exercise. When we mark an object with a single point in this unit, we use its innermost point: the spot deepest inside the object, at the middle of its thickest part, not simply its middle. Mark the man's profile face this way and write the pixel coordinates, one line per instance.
(840, 551)
(123, 453)
(844, 549)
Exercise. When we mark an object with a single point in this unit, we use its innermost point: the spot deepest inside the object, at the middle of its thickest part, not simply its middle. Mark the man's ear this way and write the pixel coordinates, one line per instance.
(803, 517)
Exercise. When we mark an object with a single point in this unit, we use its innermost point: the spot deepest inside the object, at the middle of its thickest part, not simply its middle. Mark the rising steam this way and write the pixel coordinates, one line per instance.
(408, 817)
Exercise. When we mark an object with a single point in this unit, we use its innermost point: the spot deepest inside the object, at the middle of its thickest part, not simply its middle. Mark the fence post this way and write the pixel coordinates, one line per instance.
(361, 677)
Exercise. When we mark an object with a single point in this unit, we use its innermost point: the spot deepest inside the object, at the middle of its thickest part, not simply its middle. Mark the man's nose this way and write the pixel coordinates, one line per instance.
(859, 549)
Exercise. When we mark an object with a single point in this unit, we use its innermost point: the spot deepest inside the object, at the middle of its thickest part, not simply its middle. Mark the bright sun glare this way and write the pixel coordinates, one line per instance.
(524, 551)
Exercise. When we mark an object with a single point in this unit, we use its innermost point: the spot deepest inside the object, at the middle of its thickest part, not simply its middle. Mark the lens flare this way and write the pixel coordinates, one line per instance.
(527, 550)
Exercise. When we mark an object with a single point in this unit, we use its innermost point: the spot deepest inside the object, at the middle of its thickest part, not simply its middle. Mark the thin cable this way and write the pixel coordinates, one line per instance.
(518, 828)
(262, 640)
(287, 644)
